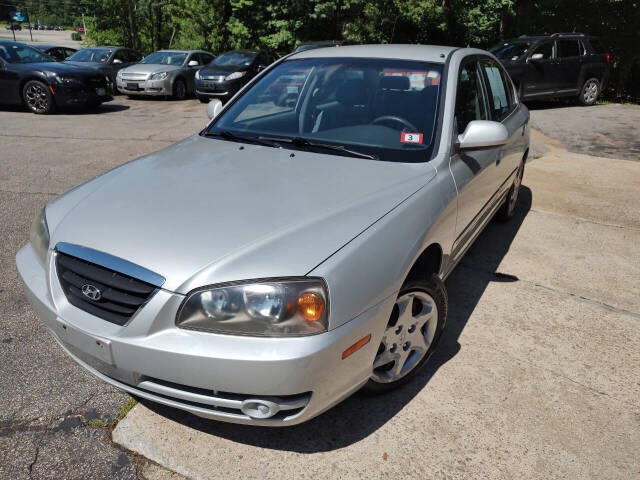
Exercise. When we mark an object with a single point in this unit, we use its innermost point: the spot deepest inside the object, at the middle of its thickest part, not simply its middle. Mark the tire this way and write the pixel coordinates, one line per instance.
(589, 92)
(179, 90)
(203, 99)
(38, 98)
(417, 320)
(508, 208)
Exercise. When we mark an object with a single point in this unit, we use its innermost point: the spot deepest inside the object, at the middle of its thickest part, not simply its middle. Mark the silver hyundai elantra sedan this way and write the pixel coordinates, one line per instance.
(295, 250)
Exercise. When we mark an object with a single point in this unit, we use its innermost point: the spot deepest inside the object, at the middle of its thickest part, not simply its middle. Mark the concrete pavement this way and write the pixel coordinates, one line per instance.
(536, 376)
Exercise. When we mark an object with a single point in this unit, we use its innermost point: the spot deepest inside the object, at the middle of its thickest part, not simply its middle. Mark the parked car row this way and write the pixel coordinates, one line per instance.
(542, 67)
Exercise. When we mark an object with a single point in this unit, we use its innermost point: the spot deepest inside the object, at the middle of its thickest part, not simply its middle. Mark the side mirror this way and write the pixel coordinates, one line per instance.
(213, 108)
(193, 63)
(535, 56)
(481, 134)
(116, 61)
(261, 67)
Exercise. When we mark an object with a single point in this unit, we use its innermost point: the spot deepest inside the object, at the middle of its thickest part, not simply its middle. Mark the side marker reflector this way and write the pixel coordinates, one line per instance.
(51, 90)
(356, 346)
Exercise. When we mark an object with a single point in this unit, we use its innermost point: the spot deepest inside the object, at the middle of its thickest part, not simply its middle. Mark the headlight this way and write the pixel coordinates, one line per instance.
(198, 74)
(272, 308)
(119, 74)
(39, 235)
(159, 76)
(234, 75)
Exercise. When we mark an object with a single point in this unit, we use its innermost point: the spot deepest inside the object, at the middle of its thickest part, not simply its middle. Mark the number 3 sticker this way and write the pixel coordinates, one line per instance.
(406, 137)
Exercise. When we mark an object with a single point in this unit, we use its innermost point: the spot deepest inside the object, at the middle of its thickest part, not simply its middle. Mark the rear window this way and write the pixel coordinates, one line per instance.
(597, 45)
(569, 48)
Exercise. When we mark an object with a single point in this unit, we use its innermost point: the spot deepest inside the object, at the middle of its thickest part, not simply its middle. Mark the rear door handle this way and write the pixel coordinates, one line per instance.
(499, 159)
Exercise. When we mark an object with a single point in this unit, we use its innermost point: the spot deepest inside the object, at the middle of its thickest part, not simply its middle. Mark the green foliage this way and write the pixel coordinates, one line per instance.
(280, 25)
(76, 36)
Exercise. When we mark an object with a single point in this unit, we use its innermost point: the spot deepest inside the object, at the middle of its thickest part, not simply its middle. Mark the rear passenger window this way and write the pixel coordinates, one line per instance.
(500, 97)
(470, 98)
(546, 50)
(569, 48)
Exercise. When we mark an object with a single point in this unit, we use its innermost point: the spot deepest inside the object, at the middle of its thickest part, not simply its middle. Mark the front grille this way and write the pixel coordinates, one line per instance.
(214, 78)
(99, 81)
(120, 296)
(134, 76)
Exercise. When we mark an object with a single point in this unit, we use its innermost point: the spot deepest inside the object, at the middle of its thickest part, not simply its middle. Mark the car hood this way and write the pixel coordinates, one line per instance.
(215, 70)
(56, 67)
(205, 211)
(93, 65)
(150, 68)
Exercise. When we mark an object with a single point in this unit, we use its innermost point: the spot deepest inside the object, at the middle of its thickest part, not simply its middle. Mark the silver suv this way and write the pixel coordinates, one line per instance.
(295, 250)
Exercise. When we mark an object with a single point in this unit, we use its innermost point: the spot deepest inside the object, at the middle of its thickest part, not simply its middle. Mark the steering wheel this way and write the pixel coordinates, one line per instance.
(405, 123)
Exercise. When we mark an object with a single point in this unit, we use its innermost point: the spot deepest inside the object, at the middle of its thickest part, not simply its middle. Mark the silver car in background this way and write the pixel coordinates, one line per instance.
(163, 73)
(295, 250)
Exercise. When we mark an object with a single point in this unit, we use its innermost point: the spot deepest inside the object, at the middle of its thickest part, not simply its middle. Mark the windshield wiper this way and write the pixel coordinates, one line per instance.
(303, 142)
(227, 135)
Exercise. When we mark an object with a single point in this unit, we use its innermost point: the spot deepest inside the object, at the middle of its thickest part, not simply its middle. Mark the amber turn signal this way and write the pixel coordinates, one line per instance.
(311, 306)
(356, 346)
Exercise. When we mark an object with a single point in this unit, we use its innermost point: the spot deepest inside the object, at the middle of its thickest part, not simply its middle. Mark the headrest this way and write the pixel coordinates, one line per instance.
(352, 92)
(395, 82)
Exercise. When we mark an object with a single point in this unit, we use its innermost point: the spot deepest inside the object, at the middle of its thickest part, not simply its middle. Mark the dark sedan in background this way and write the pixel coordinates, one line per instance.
(108, 60)
(29, 77)
(228, 73)
(57, 52)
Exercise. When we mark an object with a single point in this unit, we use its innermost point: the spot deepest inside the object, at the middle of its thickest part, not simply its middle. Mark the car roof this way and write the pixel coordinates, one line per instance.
(428, 53)
(47, 47)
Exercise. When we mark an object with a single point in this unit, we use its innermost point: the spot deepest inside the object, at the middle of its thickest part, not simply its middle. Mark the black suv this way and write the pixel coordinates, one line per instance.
(558, 65)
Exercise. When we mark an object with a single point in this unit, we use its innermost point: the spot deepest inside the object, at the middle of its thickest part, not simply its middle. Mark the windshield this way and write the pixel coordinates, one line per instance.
(511, 50)
(97, 55)
(17, 53)
(165, 58)
(234, 59)
(375, 107)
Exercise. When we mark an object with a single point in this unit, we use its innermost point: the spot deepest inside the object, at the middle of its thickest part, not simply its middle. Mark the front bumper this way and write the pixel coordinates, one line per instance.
(209, 89)
(221, 377)
(71, 96)
(145, 87)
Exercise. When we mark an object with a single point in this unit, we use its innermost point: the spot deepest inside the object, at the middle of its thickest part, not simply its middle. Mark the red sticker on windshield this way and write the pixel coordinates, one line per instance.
(406, 137)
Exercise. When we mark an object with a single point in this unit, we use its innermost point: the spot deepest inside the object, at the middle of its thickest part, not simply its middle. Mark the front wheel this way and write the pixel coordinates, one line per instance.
(412, 332)
(179, 90)
(590, 92)
(38, 98)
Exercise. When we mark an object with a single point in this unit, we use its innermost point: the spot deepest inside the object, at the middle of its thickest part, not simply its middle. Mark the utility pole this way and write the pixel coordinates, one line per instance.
(84, 26)
(29, 22)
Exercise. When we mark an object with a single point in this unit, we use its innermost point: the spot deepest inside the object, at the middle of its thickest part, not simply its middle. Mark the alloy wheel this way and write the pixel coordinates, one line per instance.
(409, 334)
(590, 91)
(37, 98)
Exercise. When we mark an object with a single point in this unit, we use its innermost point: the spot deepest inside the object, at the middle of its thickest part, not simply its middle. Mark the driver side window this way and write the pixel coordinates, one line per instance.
(471, 101)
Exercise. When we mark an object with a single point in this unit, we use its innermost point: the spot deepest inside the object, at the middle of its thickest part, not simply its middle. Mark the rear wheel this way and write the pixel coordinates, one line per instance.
(412, 332)
(590, 92)
(38, 98)
(179, 90)
(508, 208)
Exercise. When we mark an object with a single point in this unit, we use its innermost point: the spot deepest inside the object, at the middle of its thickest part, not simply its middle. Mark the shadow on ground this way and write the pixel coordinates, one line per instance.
(104, 108)
(359, 416)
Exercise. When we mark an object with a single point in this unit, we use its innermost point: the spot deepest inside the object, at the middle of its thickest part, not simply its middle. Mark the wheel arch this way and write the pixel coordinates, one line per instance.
(428, 262)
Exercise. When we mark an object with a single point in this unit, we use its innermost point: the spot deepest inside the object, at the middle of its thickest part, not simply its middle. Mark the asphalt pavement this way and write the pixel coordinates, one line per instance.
(536, 376)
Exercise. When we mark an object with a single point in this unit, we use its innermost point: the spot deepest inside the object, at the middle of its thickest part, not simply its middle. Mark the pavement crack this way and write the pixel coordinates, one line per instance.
(585, 220)
(28, 193)
(37, 454)
(576, 296)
